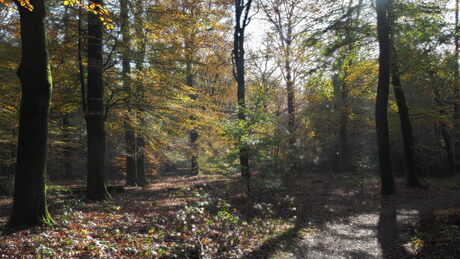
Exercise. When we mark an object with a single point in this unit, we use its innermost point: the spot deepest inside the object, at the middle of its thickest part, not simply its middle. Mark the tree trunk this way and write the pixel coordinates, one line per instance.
(95, 117)
(140, 164)
(68, 172)
(193, 133)
(130, 139)
(194, 158)
(81, 68)
(130, 135)
(29, 199)
(381, 106)
(403, 110)
(290, 98)
(140, 56)
(345, 157)
(341, 99)
(406, 129)
(293, 157)
(241, 20)
(448, 145)
(446, 137)
(345, 109)
(457, 92)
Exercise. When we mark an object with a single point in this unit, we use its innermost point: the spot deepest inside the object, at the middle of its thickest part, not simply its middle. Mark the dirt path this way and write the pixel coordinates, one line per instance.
(333, 224)
(379, 232)
(333, 219)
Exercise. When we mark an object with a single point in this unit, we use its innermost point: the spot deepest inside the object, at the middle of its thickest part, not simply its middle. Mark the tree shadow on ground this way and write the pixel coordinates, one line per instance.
(318, 206)
(388, 231)
(332, 204)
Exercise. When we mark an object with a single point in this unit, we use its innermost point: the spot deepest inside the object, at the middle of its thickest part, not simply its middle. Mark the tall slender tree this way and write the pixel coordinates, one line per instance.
(403, 109)
(242, 20)
(139, 60)
(381, 106)
(342, 88)
(29, 200)
(285, 16)
(130, 134)
(457, 89)
(95, 111)
(193, 133)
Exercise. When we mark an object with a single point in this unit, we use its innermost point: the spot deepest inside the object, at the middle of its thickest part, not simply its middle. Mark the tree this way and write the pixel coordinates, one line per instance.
(130, 135)
(139, 60)
(381, 106)
(457, 89)
(95, 111)
(342, 88)
(242, 20)
(403, 110)
(286, 16)
(29, 199)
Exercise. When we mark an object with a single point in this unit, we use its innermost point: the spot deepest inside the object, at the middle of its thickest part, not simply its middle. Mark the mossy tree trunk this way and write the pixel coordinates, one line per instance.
(29, 200)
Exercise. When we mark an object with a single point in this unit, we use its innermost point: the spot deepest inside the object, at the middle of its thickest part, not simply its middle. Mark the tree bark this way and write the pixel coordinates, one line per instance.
(194, 158)
(406, 128)
(68, 172)
(29, 198)
(448, 145)
(81, 68)
(140, 162)
(193, 133)
(381, 106)
(131, 169)
(345, 156)
(290, 92)
(95, 117)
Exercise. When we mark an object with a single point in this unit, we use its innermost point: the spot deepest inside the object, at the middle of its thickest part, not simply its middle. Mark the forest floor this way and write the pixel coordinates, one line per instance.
(208, 216)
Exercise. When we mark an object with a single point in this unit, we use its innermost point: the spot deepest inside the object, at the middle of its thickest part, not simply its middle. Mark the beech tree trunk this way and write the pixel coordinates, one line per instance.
(140, 56)
(241, 20)
(381, 106)
(403, 109)
(68, 172)
(130, 134)
(194, 158)
(290, 93)
(345, 156)
(193, 133)
(457, 92)
(29, 198)
(95, 115)
(446, 137)
(406, 129)
(130, 139)
(448, 145)
(140, 164)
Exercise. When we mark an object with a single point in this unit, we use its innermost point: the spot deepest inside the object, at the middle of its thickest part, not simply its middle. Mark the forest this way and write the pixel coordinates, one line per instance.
(229, 129)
